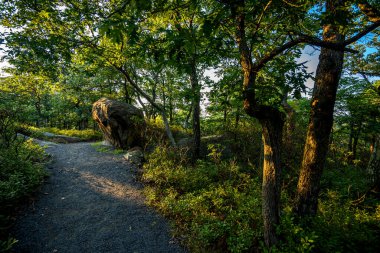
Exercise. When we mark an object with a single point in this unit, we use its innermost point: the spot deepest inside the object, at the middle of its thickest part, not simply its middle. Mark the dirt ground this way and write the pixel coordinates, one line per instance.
(91, 203)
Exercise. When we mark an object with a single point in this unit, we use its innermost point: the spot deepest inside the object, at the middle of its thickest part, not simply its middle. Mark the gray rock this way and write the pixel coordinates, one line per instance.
(122, 124)
(135, 155)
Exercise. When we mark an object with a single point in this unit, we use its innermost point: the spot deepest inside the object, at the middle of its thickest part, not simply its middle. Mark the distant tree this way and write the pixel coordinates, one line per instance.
(29, 91)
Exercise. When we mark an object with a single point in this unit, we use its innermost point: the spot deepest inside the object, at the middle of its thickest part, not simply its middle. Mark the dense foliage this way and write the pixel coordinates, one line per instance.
(215, 204)
(21, 172)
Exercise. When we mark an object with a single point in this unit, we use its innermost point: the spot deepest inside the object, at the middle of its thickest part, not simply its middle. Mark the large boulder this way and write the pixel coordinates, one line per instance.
(122, 124)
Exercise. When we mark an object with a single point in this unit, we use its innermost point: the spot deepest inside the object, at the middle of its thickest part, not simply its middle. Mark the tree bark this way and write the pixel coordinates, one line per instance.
(171, 107)
(356, 140)
(127, 98)
(321, 118)
(196, 91)
(373, 168)
(289, 126)
(272, 121)
(188, 116)
(237, 118)
(272, 134)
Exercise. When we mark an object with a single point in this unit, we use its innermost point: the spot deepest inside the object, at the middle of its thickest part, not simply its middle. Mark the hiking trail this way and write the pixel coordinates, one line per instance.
(91, 202)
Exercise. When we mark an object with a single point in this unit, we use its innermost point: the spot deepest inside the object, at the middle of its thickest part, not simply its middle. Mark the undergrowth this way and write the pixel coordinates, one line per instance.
(215, 206)
(21, 173)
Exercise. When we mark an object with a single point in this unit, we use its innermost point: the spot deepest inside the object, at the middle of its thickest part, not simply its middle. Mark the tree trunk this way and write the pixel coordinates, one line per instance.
(351, 137)
(225, 117)
(167, 129)
(272, 121)
(170, 108)
(196, 91)
(127, 98)
(289, 126)
(144, 108)
(272, 134)
(154, 96)
(356, 140)
(39, 111)
(373, 168)
(237, 118)
(321, 119)
(188, 117)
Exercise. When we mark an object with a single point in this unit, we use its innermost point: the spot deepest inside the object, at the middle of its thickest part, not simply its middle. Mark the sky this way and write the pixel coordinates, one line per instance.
(2, 63)
(310, 55)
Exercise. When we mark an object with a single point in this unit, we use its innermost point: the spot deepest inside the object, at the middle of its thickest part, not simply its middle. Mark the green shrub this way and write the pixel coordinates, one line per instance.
(215, 206)
(155, 133)
(342, 224)
(21, 172)
(345, 227)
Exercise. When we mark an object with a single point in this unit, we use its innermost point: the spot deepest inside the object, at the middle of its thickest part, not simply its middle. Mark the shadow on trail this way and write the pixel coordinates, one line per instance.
(91, 203)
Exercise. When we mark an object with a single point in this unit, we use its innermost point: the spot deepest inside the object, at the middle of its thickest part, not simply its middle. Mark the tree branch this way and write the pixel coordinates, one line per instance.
(362, 33)
(371, 12)
(150, 100)
(306, 39)
(260, 18)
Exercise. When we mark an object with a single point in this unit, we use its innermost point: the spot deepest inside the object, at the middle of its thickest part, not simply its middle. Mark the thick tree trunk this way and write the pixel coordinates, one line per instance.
(272, 134)
(272, 121)
(196, 112)
(321, 119)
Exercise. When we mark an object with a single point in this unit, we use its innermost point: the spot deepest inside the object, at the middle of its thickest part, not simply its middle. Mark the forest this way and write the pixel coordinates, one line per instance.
(247, 149)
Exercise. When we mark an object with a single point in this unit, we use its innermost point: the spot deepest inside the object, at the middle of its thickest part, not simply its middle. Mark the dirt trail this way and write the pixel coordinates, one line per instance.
(91, 203)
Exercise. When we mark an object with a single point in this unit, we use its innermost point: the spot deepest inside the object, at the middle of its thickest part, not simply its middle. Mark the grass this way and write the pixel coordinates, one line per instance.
(83, 135)
(106, 149)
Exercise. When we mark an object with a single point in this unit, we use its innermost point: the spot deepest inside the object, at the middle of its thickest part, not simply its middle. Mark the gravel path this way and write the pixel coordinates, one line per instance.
(91, 203)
